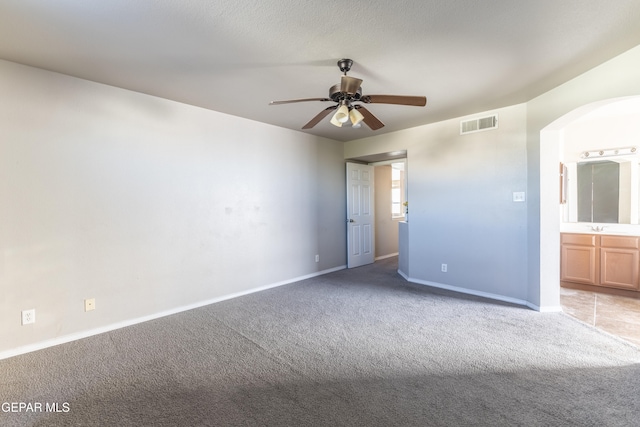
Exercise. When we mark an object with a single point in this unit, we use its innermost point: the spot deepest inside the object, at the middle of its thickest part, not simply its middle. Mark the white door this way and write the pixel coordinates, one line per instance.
(360, 225)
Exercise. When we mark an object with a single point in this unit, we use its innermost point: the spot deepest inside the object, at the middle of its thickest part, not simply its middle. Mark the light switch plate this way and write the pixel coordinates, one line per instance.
(518, 196)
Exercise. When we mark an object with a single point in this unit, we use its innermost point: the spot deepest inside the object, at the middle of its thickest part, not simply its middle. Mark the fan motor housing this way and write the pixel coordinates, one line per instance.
(337, 95)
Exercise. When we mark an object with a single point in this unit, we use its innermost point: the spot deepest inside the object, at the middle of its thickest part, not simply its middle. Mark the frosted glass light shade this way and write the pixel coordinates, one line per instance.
(335, 122)
(342, 115)
(356, 117)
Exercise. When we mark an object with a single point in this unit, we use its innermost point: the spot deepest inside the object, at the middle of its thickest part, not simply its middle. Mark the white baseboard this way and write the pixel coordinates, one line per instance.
(488, 295)
(96, 331)
(550, 309)
(386, 256)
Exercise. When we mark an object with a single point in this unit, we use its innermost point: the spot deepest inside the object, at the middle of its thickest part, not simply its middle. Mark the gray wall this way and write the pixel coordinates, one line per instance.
(149, 206)
(460, 190)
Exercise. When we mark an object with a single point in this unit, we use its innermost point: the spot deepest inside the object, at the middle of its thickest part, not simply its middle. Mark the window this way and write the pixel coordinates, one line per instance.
(397, 190)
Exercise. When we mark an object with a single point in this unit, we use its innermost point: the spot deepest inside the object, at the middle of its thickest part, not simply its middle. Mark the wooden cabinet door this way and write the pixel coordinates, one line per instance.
(578, 264)
(619, 268)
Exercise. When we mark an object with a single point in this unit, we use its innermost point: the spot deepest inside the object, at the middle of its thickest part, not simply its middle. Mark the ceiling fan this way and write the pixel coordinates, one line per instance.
(348, 95)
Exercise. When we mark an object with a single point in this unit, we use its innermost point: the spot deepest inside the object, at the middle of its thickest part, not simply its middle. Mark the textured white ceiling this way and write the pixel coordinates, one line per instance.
(235, 56)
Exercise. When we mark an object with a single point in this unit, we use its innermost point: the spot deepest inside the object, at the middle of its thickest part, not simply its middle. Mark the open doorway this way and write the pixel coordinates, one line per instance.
(390, 194)
(390, 205)
(602, 129)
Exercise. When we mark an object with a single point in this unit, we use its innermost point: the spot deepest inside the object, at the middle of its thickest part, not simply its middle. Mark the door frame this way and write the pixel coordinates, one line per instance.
(381, 159)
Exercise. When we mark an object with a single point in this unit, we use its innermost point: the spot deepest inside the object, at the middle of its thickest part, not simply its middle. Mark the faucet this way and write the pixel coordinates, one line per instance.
(597, 228)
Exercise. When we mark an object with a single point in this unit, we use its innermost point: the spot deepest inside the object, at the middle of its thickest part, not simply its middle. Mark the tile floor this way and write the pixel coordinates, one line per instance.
(614, 314)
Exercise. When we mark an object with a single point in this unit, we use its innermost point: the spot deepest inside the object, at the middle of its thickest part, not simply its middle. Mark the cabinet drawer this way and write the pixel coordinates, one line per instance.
(624, 242)
(579, 239)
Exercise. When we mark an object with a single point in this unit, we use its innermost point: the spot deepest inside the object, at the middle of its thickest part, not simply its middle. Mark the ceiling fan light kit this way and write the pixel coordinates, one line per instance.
(347, 95)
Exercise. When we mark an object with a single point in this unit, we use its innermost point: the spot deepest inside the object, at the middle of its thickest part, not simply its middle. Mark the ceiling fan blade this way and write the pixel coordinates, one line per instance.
(418, 101)
(369, 119)
(350, 84)
(290, 101)
(324, 113)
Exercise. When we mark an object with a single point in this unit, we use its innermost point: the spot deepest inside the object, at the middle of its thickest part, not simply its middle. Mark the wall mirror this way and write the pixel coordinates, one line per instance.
(603, 191)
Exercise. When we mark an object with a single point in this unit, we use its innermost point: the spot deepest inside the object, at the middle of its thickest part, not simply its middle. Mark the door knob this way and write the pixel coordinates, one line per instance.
(351, 220)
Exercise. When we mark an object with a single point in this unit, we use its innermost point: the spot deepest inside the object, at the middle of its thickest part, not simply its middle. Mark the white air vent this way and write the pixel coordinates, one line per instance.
(479, 124)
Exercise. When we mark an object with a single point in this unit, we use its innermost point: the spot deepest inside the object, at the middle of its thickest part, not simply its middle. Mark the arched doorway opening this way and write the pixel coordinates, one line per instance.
(551, 154)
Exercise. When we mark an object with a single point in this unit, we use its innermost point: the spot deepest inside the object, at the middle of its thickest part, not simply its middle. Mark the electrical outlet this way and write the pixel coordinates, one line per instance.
(317, 258)
(89, 304)
(443, 268)
(28, 316)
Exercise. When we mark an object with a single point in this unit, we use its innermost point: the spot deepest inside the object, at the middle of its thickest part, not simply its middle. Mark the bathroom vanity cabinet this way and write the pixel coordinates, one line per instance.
(609, 261)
